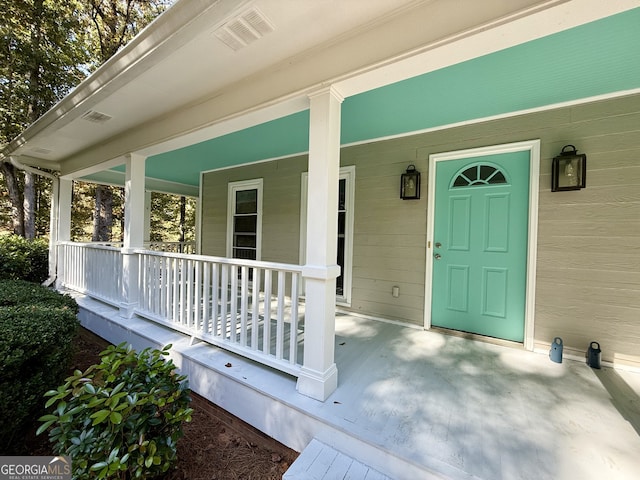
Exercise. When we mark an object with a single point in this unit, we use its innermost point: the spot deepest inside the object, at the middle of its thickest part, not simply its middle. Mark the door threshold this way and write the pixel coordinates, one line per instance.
(478, 338)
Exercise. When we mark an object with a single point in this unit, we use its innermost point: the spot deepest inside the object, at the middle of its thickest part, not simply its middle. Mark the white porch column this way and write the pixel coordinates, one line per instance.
(319, 377)
(134, 201)
(61, 208)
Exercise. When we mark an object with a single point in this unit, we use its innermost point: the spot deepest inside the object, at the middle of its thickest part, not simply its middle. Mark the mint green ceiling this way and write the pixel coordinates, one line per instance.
(593, 59)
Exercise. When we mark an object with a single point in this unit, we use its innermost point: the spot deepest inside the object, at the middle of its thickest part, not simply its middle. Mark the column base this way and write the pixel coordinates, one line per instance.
(318, 385)
(127, 310)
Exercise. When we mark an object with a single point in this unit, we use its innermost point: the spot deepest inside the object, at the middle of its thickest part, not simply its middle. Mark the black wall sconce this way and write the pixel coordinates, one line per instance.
(569, 170)
(410, 184)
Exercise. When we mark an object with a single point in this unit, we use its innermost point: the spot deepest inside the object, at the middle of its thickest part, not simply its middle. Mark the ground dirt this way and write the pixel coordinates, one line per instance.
(216, 445)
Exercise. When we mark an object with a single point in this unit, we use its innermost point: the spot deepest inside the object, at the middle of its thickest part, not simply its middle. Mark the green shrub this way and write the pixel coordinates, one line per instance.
(120, 418)
(24, 259)
(36, 346)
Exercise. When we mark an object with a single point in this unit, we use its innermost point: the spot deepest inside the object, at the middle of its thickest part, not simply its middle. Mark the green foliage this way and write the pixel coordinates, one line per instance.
(120, 418)
(38, 326)
(23, 259)
(47, 47)
(43, 51)
(165, 218)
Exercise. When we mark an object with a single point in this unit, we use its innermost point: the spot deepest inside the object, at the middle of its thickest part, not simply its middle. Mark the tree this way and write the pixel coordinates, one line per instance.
(114, 23)
(166, 226)
(43, 56)
(47, 48)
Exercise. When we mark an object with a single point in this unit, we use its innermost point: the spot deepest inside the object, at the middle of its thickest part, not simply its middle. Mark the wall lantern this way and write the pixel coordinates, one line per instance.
(410, 184)
(569, 170)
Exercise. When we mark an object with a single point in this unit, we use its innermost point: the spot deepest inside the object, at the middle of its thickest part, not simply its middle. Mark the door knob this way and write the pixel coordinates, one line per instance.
(438, 245)
(437, 256)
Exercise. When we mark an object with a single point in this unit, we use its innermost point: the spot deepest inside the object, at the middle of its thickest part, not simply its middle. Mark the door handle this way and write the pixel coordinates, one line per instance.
(437, 256)
(438, 245)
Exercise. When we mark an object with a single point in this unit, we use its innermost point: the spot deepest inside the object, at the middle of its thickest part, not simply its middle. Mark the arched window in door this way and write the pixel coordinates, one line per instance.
(478, 175)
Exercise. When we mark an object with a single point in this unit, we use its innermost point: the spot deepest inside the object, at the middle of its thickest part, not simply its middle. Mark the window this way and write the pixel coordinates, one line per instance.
(346, 189)
(244, 225)
(480, 174)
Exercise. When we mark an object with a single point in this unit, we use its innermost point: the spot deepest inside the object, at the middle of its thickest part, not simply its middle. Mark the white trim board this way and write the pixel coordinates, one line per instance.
(347, 173)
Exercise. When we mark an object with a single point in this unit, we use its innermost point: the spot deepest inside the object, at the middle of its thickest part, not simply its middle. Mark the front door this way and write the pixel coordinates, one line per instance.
(480, 235)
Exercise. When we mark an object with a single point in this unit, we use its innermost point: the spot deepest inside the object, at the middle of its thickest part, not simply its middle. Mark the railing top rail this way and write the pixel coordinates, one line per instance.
(190, 242)
(224, 260)
(97, 246)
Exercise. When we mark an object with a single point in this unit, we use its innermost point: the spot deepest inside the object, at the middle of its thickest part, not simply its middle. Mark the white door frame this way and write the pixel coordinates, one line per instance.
(533, 147)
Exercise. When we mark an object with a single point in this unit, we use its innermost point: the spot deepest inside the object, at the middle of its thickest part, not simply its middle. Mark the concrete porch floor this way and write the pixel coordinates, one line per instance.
(414, 404)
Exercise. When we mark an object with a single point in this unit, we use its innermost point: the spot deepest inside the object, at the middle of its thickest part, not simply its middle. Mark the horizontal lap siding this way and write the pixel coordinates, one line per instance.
(389, 233)
(588, 271)
(280, 209)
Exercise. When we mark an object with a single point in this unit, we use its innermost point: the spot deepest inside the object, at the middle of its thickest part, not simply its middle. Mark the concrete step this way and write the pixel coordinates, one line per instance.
(319, 461)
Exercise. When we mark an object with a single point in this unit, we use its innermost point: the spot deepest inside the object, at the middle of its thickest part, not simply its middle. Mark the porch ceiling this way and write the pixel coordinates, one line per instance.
(181, 96)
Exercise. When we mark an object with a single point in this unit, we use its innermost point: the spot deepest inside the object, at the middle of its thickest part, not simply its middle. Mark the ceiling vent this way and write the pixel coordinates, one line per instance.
(41, 151)
(96, 117)
(244, 29)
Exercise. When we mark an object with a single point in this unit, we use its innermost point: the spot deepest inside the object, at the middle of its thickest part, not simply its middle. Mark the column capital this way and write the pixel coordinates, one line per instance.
(330, 89)
(133, 156)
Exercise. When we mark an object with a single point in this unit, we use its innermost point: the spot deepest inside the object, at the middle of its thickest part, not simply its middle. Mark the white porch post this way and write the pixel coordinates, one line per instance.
(319, 376)
(134, 202)
(61, 208)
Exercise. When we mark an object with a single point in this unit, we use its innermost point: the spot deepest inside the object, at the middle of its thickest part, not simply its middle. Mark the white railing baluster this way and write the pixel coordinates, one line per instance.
(293, 332)
(216, 306)
(155, 289)
(280, 316)
(244, 299)
(189, 295)
(255, 309)
(175, 297)
(233, 309)
(161, 285)
(206, 296)
(197, 301)
(224, 296)
(266, 325)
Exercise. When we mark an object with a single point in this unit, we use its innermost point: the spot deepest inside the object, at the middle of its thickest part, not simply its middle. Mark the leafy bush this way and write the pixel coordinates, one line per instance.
(122, 417)
(38, 326)
(23, 259)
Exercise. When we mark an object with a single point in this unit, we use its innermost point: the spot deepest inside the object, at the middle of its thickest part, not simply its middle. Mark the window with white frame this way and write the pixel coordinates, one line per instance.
(244, 220)
(346, 190)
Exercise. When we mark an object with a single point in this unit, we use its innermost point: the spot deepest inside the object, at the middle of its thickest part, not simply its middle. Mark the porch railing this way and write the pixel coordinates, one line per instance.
(248, 307)
(93, 269)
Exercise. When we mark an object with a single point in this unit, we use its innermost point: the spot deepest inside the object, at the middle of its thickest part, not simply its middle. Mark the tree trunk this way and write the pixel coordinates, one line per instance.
(15, 196)
(103, 214)
(29, 206)
(183, 214)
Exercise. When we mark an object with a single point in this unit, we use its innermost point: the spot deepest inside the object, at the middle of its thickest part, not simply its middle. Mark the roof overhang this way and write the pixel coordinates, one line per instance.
(177, 83)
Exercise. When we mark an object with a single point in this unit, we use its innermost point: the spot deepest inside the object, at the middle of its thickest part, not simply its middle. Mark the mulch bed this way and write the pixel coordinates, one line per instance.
(216, 445)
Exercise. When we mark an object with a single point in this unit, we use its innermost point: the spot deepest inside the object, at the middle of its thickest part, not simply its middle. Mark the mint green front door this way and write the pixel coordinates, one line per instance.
(480, 245)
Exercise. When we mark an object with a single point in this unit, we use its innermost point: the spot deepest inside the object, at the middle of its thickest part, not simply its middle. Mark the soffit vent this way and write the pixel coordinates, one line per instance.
(40, 151)
(244, 29)
(96, 117)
